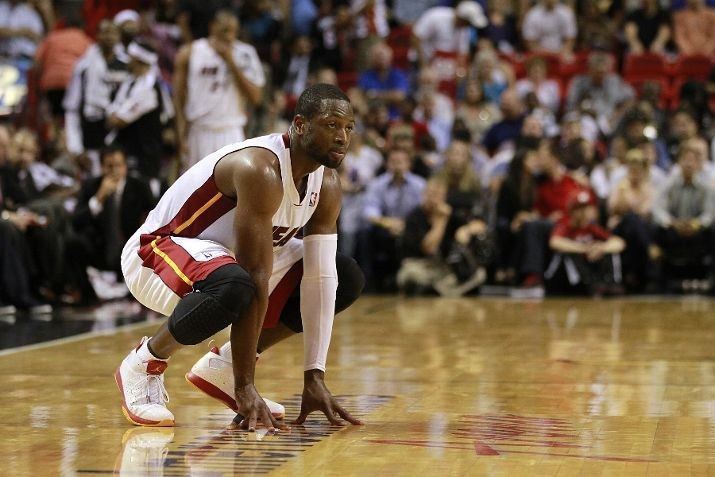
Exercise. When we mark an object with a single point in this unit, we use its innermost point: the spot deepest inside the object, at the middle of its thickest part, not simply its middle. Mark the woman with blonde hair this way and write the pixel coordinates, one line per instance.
(629, 209)
(463, 184)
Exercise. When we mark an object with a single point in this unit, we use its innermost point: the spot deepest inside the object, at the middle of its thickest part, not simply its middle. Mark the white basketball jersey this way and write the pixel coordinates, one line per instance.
(212, 97)
(193, 207)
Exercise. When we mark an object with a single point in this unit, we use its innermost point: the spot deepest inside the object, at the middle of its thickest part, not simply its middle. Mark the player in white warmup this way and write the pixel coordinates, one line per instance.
(216, 80)
(220, 249)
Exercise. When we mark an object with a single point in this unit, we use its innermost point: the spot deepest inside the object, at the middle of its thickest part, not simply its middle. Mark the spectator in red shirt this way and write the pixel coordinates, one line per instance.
(554, 188)
(556, 185)
(586, 256)
(55, 59)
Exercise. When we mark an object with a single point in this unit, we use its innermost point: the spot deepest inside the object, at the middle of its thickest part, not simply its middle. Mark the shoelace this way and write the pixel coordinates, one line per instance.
(155, 391)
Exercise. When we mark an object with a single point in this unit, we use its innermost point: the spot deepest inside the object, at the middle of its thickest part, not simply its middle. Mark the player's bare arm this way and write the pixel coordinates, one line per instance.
(222, 37)
(252, 177)
(181, 70)
(325, 218)
(253, 92)
(316, 396)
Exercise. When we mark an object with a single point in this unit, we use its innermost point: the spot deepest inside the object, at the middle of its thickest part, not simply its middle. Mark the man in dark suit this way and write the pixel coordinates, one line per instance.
(109, 209)
(34, 191)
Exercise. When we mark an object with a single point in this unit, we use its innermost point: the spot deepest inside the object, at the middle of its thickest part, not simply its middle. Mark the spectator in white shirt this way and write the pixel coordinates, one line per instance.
(95, 80)
(428, 84)
(369, 26)
(21, 29)
(546, 90)
(447, 29)
(550, 27)
(135, 115)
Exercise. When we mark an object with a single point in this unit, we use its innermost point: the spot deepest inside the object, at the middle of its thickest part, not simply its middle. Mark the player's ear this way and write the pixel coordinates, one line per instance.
(299, 123)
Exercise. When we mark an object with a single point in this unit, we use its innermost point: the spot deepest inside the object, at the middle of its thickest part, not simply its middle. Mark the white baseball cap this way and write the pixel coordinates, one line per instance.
(473, 13)
(126, 16)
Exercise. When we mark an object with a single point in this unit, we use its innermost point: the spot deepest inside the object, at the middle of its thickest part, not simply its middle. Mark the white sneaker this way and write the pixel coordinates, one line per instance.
(449, 286)
(213, 375)
(40, 309)
(141, 381)
(7, 310)
(144, 451)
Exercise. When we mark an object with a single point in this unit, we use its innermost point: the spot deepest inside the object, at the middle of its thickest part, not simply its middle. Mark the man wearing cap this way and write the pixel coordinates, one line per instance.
(134, 116)
(586, 253)
(447, 29)
(128, 23)
(216, 80)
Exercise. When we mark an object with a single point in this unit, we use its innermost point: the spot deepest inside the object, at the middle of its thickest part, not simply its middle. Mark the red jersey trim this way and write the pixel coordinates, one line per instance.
(206, 205)
(283, 290)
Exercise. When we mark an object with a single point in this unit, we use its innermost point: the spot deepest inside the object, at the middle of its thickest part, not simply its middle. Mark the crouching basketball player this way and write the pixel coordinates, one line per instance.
(220, 249)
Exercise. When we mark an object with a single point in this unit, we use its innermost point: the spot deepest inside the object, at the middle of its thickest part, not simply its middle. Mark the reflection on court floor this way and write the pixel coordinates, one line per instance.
(155, 451)
(469, 386)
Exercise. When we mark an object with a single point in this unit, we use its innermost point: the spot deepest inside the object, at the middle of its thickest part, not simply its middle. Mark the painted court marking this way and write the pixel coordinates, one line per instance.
(490, 435)
(223, 452)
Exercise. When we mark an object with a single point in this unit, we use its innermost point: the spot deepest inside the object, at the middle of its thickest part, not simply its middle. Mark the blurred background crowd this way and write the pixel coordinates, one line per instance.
(520, 147)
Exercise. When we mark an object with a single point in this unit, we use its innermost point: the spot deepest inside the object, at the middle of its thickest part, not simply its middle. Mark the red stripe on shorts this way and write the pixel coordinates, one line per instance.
(182, 261)
(281, 293)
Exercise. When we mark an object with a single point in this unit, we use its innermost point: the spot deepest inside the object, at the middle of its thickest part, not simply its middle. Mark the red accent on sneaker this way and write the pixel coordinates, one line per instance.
(216, 393)
(211, 390)
(155, 366)
(139, 345)
(532, 280)
(215, 350)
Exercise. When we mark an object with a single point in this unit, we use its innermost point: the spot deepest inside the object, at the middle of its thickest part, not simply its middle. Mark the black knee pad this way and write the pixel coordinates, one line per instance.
(351, 282)
(217, 302)
(197, 317)
(231, 285)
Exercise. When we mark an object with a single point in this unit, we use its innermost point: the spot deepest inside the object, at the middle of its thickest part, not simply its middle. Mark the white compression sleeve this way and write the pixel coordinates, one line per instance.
(317, 297)
(73, 132)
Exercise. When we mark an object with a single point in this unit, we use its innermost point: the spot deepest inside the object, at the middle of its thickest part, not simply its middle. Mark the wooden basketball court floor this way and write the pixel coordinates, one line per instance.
(458, 387)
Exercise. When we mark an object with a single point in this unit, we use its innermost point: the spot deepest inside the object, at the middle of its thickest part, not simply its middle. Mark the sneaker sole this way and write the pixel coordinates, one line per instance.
(213, 391)
(133, 418)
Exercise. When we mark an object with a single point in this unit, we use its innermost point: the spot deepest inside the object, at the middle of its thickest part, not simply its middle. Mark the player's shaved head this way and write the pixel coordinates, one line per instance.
(224, 26)
(311, 100)
(224, 16)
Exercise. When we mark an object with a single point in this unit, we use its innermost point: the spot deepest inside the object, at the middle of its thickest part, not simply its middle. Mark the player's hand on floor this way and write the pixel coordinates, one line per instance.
(316, 397)
(251, 409)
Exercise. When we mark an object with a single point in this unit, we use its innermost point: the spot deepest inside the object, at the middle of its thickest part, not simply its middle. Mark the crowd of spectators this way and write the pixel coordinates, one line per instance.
(525, 145)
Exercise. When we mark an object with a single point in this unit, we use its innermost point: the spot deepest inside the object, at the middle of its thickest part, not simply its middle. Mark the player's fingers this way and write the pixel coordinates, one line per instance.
(347, 416)
(251, 422)
(301, 417)
(330, 414)
(279, 424)
(268, 420)
(236, 423)
(242, 425)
